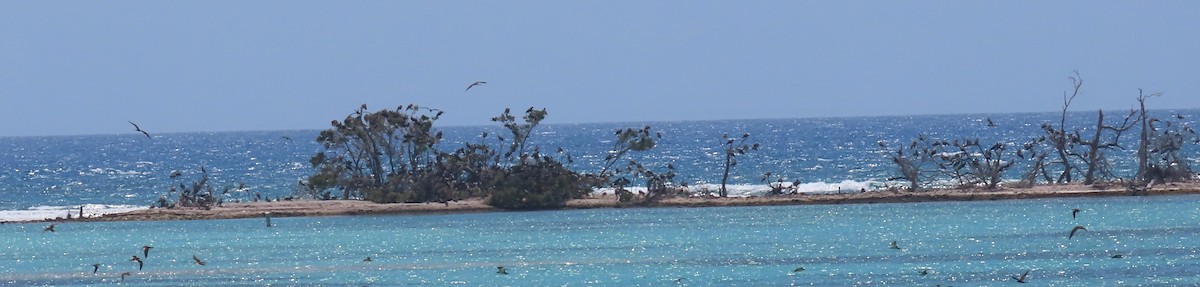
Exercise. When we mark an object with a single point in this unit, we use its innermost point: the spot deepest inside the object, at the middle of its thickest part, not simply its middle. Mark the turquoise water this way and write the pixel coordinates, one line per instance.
(963, 243)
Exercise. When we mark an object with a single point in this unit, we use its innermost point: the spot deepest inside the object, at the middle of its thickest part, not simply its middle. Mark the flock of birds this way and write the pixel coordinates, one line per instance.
(1019, 279)
(141, 261)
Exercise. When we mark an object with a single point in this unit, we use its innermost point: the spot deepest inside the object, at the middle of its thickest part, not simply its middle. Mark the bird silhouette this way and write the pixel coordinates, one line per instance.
(139, 129)
(146, 251)
(368, 259)
(95, 268)
(49, 228)
(1073, 230)
(139, 261)
(798, 269)
(895, 245)
(287, 138)
(501, 270)
(1117, 256)
(990, 123)
(123, 274)
(476, 83)
(1022, 278)
(198, 261)
(926, 271)
(1074, 212)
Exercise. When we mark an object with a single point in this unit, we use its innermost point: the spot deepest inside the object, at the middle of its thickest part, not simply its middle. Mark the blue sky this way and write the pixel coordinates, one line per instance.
(87, 67)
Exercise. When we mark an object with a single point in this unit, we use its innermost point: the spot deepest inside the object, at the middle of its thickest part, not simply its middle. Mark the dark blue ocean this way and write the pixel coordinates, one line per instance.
(824, 154)
(958, 243)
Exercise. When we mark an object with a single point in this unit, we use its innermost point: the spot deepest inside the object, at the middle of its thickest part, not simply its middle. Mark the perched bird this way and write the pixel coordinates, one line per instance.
(1073, 230)
(139, 129)
(368, 259)
(95, 268)
(501, 270)
(146, 251)
(139, 261)
(1074, 212)
(123, 274)
(1022, 278)
(198, 261)
(49, 228)
(895, 245)
(476, 83)
(798, 269)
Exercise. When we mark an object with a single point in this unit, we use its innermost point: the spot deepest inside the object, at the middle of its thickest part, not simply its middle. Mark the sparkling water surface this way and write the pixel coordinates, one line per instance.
(962, 243)
(981, 243)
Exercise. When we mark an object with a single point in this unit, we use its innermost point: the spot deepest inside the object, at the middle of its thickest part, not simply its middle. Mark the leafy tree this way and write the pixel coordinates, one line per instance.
(376, 154)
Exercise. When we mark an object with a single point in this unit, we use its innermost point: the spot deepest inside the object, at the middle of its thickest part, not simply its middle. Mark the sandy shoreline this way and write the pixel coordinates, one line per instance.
(352, 207)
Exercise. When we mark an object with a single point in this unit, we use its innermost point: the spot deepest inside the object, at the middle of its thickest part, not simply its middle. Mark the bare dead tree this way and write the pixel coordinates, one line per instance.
(913, 161)
(1143, 153)
(1094, 157)
(989, 165)
(1063, 142)
(733, 148)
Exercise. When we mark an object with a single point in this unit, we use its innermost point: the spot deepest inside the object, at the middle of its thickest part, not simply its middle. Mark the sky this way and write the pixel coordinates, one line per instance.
(88, 67)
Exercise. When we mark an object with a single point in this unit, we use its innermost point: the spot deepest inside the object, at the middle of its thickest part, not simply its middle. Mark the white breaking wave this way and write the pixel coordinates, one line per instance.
(52, 212)
(744, 190)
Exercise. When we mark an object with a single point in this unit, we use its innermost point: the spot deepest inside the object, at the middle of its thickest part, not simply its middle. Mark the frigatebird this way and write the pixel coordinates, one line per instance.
(139, 129)
(476, 83)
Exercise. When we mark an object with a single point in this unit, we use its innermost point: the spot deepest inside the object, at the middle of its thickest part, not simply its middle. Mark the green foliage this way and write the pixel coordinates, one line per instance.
(540, 185)
(385, 156)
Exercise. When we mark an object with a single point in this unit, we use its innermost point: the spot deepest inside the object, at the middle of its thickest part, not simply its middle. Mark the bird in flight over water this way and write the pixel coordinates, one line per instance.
(476, 83)
(501, 270)
(198, 261)
(1074, 212)
(95, 268)
(146, 251)
(1022, 278)
(895, 245)
(139, 129)
(49, 228)
(125, 274)
(139, 261)
(1073, 230)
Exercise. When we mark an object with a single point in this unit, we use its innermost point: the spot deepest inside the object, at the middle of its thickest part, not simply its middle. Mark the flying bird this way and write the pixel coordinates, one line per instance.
(1074, 212)
(1117, 256)
(990, 123)
(501, 270)
(287, 138)
(123, 274)
(95, 268)
(926, 271)
(801, 268)
(139, 129)
(1022, 278)
(139, 261)
(198, 261)
(1073, 230)
(476, 83)
(49, 228)
(146, 251)
(368, 259)
(895, 245)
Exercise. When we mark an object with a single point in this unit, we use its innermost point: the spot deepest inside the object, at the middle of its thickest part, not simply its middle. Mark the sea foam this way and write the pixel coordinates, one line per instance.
(51, 212)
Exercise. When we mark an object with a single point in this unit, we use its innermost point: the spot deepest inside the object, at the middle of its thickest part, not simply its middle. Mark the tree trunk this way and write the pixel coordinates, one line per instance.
(725, 178)
(1094, 151)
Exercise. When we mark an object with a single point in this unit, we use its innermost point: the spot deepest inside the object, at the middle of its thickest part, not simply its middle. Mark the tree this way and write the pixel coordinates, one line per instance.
(1094, 157)
(385, 155)
(1063, 142)
(733, 148)
(912, 160)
